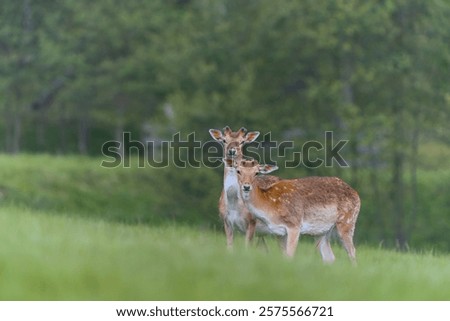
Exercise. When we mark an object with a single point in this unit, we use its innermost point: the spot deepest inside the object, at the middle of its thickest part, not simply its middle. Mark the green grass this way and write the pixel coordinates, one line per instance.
(71, 230)
(53, 257)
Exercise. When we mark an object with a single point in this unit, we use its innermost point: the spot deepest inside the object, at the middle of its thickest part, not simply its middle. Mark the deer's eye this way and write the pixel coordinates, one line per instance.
(238, 171)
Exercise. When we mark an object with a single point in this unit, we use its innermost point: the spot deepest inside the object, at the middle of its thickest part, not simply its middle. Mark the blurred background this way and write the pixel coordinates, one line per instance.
(75, 74)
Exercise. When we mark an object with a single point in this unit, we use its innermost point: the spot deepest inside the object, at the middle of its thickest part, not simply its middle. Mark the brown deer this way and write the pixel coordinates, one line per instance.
(311, 205)
(231, 207)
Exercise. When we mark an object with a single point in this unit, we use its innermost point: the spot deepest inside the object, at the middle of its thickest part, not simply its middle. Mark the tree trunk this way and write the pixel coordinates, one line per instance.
(62, 141)
(120, 125)
(398, 186)
(41, 128)
(118, 133)
(83, 135)
(375, 187)
(16, 134)
(414, 165)
(398, 201)
(348, 101)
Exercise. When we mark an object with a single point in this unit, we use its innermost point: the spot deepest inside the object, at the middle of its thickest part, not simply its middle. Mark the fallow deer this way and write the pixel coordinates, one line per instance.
(311, 205)
(231, 207)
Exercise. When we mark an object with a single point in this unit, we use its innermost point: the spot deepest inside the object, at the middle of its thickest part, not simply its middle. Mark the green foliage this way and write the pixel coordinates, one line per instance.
(433, 210)
(319, 65)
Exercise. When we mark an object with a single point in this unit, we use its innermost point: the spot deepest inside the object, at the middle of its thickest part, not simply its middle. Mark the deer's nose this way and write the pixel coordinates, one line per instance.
(232, 152)
(246, 188)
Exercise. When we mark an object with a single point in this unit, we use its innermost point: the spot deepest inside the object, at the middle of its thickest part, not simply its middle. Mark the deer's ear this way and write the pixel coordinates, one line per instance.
(242, 131)
(266, 169)
(251, 136)
(227, 130)
(216, 134)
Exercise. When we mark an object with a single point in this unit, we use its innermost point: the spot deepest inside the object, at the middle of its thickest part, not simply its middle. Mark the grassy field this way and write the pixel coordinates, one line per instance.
(50, 257)
(58, 242)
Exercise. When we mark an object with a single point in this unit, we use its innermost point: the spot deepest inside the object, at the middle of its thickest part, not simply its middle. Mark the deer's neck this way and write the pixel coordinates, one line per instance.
(230, 179)
(260, 198)
(265, 209)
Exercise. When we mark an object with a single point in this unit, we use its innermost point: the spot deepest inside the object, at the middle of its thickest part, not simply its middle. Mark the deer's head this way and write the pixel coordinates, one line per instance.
(233, 141)
(247, 171)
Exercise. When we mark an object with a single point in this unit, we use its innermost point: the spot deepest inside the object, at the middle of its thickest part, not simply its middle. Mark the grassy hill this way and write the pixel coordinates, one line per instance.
(71, 230)
(80, 186)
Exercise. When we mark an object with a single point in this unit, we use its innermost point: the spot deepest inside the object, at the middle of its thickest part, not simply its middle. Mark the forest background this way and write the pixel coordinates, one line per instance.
(77, 74)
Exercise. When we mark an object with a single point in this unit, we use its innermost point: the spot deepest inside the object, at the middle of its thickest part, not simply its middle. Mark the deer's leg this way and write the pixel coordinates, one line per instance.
(324, 247)
(229, 233)
(250, 233)
(262, 241)
(345, 232)
(292, 237)
(282, 243)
